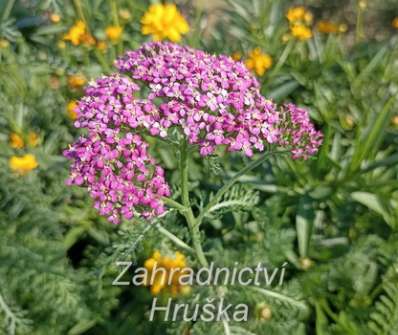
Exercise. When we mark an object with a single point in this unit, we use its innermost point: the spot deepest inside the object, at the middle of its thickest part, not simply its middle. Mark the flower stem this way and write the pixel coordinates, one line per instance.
(189, 216)
(233, 180)
(173, 238)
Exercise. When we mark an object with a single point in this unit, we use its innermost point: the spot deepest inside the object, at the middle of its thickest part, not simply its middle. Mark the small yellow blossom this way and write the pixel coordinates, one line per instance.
(23, 164)
(55, 18)
(308, 17)
(286, 38)
(362, 4)
(299, 14)
(4, 43)
(301, 32)
(395, 23)
(327, 27)
(75, 33)
(258, 61)
(33, 139)
(343, 28)
(113, 33)
(168, 280)
(164, 21)
(395, 121)
(61, 45)
(125, 14)
(76, 80)
(264, 312)
(102, 46)
(236, 56)
(16, 141)
(71, 109)
(87, 39)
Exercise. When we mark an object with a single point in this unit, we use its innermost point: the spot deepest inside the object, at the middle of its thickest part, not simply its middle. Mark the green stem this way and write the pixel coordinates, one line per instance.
(233, 180)
(174, 204)
(191, 221)
(79, 11)
(173, 238)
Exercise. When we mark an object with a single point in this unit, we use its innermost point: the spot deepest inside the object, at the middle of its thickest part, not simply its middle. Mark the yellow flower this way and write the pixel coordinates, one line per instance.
(362, 4)
(101, 45)
(4, 43)
(343, 28)
(258, 62)
(327, 27)
(55, 18)
(236, 56)
(125, 14)
(33, 139)
(16, 141)
(61, 45)
(76, 80)
(71, 109)
(168, 280)
(301, 32)
(295, 14)
(23, 164)
(299, 15)
(395, 23)
(87, 39)
(395, 121)
(113, 33)
(308, 17)
(75, 33)
(286, 38)
(164, 21)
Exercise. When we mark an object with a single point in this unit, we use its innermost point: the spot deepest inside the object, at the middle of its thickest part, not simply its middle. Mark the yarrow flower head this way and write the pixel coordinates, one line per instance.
(215, 100)
(210, 100)
(114, 164)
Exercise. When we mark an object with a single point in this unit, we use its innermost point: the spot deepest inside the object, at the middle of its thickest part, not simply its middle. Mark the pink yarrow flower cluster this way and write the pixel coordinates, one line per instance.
(213, 100)
(112, 160)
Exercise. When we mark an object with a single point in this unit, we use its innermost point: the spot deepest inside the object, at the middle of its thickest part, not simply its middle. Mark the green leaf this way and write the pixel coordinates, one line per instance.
(304, 221)
(373, 202)
(371, 139)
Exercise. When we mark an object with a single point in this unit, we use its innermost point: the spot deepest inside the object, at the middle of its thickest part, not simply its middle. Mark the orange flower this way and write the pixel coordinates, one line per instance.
(55, 18)
(236, 56)
(87, 39)
(102, 46)
(33, 139)
(395, 23)
(301, 32)
(76, 80)
(168, 280)
(258, 61)
(75, 33)
(113, 33)
(327, 27)
(71, 109)
(16, 141)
